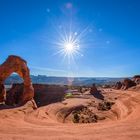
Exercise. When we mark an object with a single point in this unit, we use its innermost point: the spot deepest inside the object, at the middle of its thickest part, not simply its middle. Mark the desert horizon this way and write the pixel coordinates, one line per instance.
(64, 109)
(69, 69)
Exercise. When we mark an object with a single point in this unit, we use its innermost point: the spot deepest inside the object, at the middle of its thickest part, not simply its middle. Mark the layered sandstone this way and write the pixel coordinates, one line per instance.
(43, 94)
(18, 65)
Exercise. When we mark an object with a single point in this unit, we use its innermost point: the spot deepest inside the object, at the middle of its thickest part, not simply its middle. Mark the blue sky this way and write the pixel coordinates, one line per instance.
(109, 45)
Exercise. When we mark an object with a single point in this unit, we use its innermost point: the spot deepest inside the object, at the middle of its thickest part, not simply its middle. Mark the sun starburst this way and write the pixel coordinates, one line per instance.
(69, 46)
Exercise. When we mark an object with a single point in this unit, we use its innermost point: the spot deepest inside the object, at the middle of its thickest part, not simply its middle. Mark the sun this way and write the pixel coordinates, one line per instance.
(69, 47)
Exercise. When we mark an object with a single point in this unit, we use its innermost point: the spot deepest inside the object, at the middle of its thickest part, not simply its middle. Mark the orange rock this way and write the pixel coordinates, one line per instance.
(94, 91)
(136, 79)
(43, 94)
(118, 85)
(127, 83)
(19, 66)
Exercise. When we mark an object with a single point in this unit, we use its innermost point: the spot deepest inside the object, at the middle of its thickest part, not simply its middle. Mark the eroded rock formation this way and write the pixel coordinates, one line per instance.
(93, 89)
(136, 79)
(127, 83)
(43, 94)
(96, 93)
(118, 85)
(19, 66)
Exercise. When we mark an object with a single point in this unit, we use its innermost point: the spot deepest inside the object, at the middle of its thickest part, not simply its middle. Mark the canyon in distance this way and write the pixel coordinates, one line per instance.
(71, 111)
(69, 69)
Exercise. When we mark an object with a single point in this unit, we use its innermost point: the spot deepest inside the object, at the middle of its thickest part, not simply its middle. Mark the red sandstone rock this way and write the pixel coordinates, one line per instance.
(93, 89)
(19, 66)
(44, 94)
(118, 85)
(2, 92)
(96, 93)
(136, 79)
(127, 83)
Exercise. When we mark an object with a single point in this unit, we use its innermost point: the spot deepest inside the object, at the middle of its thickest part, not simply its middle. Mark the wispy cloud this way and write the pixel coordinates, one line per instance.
(47, 71)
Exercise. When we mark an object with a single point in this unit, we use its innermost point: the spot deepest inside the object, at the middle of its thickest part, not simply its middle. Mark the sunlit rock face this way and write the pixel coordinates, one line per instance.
(18, 65)
(44, 94)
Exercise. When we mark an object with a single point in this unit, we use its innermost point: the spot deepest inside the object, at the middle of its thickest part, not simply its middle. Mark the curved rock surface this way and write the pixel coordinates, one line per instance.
(123, 121)
(18, 65)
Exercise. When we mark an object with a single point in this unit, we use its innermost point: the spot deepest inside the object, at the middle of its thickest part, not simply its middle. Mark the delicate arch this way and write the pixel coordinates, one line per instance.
(18, 65)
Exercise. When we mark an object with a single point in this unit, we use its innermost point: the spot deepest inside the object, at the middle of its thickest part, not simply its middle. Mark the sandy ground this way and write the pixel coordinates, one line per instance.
(24, 123)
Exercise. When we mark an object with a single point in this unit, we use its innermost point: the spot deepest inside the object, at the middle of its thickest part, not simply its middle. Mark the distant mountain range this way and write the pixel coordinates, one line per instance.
(43, 79)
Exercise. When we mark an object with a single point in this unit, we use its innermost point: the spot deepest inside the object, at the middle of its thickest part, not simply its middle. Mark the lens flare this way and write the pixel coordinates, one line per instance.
(70, 42)
(69, 47)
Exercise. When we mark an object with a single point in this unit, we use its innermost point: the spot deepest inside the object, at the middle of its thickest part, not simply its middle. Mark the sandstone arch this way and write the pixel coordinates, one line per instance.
(18, 65)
